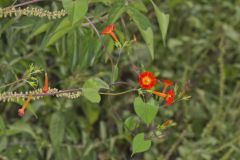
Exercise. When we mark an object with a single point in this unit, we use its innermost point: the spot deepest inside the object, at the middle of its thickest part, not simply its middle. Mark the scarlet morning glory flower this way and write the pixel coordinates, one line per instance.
(169, 97)
(166, 84)
(109, 30)
(146, 80)
(22, 109)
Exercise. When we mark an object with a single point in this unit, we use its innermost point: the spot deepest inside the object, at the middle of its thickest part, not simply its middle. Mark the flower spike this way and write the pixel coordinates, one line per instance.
(22, 109)
(109, 30)
(45, 87)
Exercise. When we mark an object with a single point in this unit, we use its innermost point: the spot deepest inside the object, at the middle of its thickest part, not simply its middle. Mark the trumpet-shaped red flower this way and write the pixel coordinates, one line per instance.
(22, 109)
(109, 30)
(146, 80)
(169, 97)
(45, 87)
(166, 84)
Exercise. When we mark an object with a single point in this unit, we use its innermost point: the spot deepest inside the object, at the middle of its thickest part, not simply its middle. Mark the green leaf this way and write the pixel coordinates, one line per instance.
(57, 129)
(116, 11)
(58, 32)
(40, 28)
(5, 3)
(73, 48)
(2, 126)
(131, 123)
(163, 20)
(139, 5)
(20, 127)
(91, 88)
(115, 73)
(144, 26)
(139, 144)
(76, 9)
(95, 83)
(91, 111)
(30, 108)
(146, 111)
(92, 95)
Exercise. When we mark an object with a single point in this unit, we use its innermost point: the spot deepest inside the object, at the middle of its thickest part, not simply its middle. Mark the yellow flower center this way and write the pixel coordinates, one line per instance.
(146, 80)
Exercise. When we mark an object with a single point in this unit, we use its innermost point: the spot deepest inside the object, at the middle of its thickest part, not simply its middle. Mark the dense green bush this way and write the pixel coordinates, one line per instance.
(199, 50)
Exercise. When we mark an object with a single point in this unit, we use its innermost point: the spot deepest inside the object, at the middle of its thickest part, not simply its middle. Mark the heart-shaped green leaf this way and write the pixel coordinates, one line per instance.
(139, 144)
(92, 95)
(146, 111)
(91, 88)
(131, 123)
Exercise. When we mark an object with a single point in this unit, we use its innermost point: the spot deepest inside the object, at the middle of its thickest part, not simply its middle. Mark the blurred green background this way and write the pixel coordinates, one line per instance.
(202, 48)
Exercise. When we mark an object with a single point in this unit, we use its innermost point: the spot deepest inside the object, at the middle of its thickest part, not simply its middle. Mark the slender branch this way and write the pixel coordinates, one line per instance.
(10, 84)
(119, 93)
(94, 27)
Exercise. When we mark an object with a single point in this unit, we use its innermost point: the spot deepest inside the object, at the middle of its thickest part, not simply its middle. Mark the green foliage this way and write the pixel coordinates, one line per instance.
(146, 111)
(144, 26)
(163, 20)
(139, 144)
(56, 130)
(91, 87)
(131, 123)
(76, 9)
(201, 53)
(5, 3)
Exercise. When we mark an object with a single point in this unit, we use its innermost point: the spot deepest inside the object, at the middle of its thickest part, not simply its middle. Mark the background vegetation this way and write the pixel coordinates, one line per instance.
(202, 48)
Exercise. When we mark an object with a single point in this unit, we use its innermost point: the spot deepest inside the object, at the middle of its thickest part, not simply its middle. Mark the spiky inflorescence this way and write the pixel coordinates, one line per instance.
(37, 94)
(38, 12)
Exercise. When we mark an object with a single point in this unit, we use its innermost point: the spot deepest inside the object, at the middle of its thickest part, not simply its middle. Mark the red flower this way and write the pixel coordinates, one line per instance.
(22, 109)
(170, 97)
(166, 84)
(45, 87)
(146, 80)
(21, 112)
(109, 31)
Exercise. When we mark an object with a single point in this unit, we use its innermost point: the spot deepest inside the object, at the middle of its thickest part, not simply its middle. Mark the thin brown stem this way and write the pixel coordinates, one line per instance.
(94, 27)
(119, 93)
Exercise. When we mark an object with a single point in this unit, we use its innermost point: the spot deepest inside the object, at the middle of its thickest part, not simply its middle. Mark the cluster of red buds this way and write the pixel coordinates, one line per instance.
(147, 81)
(45, 89)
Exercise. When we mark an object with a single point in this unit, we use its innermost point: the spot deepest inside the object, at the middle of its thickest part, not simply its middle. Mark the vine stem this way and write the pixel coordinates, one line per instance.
(94, 28)
(119, 93)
